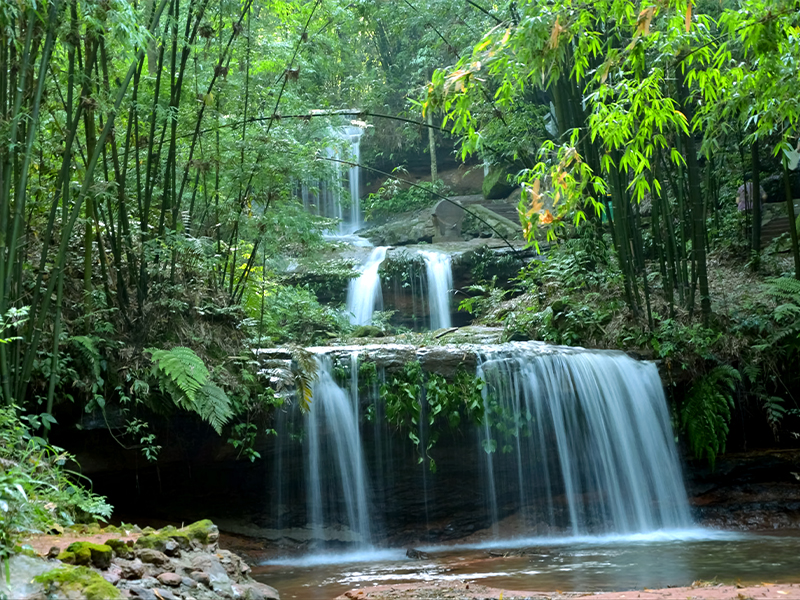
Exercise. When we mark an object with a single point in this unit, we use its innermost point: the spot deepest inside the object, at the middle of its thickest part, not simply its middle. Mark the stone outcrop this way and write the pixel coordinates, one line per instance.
(180, 564)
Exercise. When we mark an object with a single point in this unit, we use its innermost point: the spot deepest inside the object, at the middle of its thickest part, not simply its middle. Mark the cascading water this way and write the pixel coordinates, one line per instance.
(336, 478)
(592, 438)
(364, 292)
(440, 280)
(324, 197)
(574, 442)
(353, 134)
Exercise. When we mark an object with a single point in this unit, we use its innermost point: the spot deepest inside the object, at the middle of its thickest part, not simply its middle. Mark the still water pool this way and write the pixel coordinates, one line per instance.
(540, 564)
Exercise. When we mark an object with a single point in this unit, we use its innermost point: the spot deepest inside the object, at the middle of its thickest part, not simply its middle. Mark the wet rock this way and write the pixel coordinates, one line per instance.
(201, 577)
(188, 582)
(417, 554)
(53, 552)
(234, 566)
(171, 548)
(153, 557)
(255, 591)
(113, 575)
(130, 569)
(170, 579)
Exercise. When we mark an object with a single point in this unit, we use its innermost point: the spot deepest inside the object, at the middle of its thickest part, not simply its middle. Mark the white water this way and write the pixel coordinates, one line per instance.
(340, 489)
(589, 455)
(592, 428)
(353, 134)
(364, 292)
(440, 280)
(324, 197)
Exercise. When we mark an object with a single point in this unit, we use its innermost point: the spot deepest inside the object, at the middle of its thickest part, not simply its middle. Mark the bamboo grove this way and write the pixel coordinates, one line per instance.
(133, 164)
(649, 102)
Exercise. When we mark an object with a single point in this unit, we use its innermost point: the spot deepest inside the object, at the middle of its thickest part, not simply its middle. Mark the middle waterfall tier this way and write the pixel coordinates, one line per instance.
(364, 292)
(440, 280)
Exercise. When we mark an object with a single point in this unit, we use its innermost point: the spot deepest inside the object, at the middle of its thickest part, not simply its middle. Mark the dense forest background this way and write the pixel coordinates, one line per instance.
(152, 152)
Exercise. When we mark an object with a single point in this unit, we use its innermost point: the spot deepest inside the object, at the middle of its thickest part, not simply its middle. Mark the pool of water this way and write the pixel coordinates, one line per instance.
(542, 564)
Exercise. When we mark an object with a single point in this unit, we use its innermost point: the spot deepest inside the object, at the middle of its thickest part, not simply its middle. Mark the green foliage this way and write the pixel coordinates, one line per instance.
(706, 412)
(182, 375)
(421, 406)
(37, 489)
(393, 199)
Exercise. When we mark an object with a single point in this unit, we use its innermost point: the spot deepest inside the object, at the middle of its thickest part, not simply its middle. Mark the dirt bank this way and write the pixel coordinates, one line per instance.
(466, 591)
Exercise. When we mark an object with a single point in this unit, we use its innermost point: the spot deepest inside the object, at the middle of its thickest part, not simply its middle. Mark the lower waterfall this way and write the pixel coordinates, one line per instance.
(574, 442)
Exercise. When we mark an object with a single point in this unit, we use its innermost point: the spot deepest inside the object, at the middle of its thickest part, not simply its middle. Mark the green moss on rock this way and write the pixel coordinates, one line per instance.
(203, 532)
(82, 580)
(120, 548)
(86, 553)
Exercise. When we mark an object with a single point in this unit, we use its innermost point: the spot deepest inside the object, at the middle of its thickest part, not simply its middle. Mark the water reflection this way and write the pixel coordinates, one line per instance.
(589, 565)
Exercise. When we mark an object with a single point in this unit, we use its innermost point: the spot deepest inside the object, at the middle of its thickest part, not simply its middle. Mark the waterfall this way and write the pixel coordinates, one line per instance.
(336, 485)
(591, 428)
(573, 442)
(353, 134)
(323, 197)
(364, 292)
(440, 281)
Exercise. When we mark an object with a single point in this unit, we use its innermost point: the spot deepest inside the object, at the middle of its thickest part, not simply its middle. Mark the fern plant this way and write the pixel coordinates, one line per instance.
(786, 292)
(706, 413)
(182, 376)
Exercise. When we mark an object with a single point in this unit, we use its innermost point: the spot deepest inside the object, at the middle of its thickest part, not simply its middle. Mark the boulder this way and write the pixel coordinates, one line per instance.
(495, 184)
(170, 579)
(447, 219)
(130, 569)
(79, 582)
(153, 557)
(87, 553)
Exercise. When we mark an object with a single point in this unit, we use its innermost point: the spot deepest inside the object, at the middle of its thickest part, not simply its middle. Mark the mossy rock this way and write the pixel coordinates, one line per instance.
(203, 532)
(368, 331)
(87, 553)
(81, 580)
(120, 548)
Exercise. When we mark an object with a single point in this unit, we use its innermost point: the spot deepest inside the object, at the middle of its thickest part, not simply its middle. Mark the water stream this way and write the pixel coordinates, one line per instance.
(440, 281)
(364, 292)
(542, 564)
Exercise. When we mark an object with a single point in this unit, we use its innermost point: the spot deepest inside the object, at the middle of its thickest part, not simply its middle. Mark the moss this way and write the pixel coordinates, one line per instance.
(83, 580)
(203, 531)
(26, 550)
(86, 553)
(120, 548)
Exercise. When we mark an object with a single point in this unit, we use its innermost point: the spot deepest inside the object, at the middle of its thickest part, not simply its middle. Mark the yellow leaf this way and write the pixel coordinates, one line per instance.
(208, 99)
(643, 22)
(557, 29)
(547, 217)
(688, 19)
(604, 74)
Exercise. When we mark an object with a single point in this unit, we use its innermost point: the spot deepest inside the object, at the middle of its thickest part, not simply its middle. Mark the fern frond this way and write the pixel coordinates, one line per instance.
(213, 406)
(773, 406)
(786, 288)
(706, 412)
(87, 347)
(304, 366)
(180, 372)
